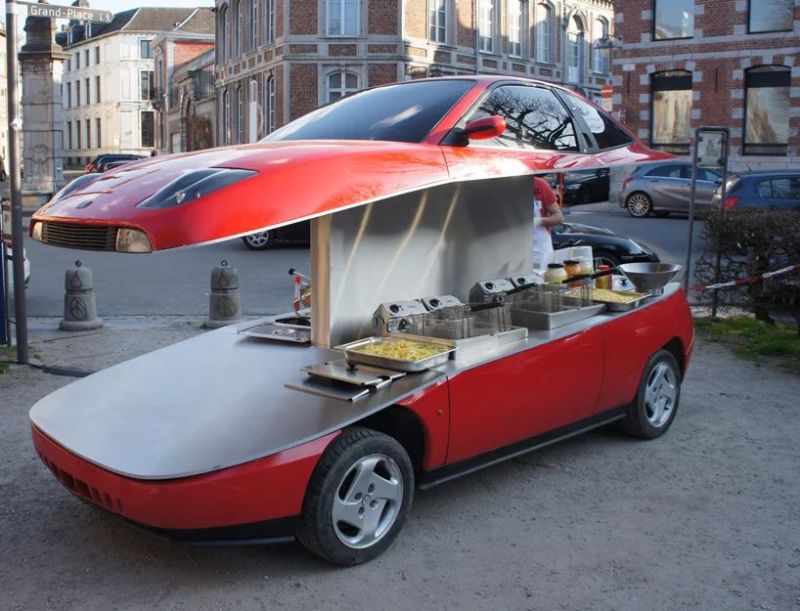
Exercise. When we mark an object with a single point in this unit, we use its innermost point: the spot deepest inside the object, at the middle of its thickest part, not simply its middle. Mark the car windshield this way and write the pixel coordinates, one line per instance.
(400, 113)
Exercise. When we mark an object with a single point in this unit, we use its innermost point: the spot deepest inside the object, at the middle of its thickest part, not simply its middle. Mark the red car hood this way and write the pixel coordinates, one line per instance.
(294, 180)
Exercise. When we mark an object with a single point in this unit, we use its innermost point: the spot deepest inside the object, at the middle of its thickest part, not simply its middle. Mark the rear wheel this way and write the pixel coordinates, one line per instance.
(602, 257)
(657, 398)
(358, 498)
(639, 204)
(259, 241)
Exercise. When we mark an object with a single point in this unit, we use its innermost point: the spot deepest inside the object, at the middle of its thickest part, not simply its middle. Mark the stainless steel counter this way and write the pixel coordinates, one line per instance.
(219, 400)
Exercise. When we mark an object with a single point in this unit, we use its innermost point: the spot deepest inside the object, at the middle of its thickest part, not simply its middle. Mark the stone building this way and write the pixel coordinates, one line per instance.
(279, 59)
(172, 51)
(734, 63)
(108, 83)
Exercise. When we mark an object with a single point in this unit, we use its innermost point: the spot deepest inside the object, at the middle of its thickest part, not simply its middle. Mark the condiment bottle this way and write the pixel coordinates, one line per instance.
(573, 268)
(586, 266)
(555, 274)
(603, 282)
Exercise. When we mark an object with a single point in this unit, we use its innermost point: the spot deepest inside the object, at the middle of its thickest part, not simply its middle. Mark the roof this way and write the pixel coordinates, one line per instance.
(145, 19)
(201, 61)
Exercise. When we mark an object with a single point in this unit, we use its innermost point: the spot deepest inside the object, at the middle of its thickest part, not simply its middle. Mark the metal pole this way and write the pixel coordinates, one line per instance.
(14, 123)
(688, 268)
(718, 258)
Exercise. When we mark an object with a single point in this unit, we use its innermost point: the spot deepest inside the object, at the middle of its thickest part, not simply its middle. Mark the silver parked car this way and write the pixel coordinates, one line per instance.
(664, 187)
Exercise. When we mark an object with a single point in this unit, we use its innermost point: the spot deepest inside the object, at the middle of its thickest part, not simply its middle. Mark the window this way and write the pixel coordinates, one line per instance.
(438, 20)
(253, 25)
(342, 17)
(223, 34)
(69, 63)
(771, 16)
(69, 135)
(78, 61)
(226, 103)
(86, 57)
(146, 85)
(97, 55)
(77, 93)
(240, 122)
(99, 132)
(766, 123)
(486, 21)
(340, 84)
(69, 95)
(236, 30)
(148, 129)
(671, 111)
(144, 49)
(534, 117)
(97, 96)
(88, 95)
(270, 122)
(601, 56)
(543, 32)
(77, 134)
(674, 19)
(785, 187)
(575, 46)
(88, 133)
(606, 133)
(269, 21)
(669, 171)
(396, 113)
(516, 26)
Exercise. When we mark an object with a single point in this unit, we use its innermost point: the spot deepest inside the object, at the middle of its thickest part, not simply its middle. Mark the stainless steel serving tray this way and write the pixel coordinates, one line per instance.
(534, 319)
(352, 355)
(625, 307)
(270, 331)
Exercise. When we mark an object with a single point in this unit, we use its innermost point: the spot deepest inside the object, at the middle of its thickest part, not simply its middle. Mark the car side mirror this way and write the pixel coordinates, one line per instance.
(485, 128)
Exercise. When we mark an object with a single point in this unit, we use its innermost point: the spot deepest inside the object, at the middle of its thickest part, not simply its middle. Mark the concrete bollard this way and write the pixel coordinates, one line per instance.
(224, 304)
(80, 305)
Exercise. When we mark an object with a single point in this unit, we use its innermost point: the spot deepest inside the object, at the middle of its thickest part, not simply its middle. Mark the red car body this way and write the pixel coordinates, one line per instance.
(449, 427)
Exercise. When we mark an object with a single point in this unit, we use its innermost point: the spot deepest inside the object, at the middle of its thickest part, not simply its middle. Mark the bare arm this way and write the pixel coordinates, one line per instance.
(554, 216)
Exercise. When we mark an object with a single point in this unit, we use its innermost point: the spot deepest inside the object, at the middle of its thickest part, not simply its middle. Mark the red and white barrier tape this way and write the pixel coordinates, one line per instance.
(749, 280)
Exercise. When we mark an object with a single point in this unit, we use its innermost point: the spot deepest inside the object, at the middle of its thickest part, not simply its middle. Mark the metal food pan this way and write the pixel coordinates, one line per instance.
(352, 355)
(627, 306)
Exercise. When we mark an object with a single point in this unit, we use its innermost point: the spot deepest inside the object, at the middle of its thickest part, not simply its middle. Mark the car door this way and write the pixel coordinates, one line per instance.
(667, 185)
(707, 182)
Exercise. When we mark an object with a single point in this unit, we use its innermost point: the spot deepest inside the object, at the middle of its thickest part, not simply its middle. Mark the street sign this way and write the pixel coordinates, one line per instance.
(712, 147)
(78, 13)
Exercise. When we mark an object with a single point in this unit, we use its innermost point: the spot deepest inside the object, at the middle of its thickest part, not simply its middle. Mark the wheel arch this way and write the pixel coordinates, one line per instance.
(403, 425)
(676, 348)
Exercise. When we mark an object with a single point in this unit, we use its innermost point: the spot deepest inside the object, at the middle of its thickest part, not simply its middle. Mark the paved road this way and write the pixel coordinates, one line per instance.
(176, 282)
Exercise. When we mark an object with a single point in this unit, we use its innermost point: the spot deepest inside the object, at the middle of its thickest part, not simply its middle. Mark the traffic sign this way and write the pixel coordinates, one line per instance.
(78, 13)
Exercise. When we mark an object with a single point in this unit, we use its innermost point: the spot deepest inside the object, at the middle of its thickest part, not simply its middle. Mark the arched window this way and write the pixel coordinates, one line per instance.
(575, 44)
(767, 104)
(671, 111)
(601, 55)
(254, 24)
(544, 32)
(340, 84)
(270, 109)
(516, 27)
(269, 21)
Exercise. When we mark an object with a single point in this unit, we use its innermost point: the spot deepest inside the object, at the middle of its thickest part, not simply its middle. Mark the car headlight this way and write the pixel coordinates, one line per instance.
(193, 185)
(36, 232)
(132, 240)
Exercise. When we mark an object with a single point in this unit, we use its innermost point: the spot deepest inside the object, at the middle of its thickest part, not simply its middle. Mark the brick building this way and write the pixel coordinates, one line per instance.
(279, 59)
(687, 63)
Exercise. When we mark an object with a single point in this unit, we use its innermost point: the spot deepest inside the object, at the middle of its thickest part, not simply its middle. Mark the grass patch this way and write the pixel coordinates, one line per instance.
(755, 340)
(8, 355)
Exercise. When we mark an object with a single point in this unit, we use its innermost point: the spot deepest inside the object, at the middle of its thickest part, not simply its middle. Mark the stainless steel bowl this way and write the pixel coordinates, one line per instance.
(650, 277)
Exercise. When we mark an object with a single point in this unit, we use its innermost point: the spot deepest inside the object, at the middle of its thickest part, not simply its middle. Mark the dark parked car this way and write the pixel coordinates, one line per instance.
(775, 190)
(664, 187)
(106, 161)
(607, 246)
(583, 186)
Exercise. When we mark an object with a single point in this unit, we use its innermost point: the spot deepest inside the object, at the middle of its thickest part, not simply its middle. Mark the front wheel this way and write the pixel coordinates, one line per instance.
(259, 241)
(657, 398)
(639, 204)
(358, 498)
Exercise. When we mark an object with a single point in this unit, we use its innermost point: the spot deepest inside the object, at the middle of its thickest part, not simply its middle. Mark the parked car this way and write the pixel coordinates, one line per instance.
(608, 247)
(664, 187)
(106, 161)
(583, 186)
(775, 190)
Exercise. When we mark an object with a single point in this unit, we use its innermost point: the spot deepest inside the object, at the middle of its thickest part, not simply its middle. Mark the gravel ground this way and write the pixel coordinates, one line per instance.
(704, 518)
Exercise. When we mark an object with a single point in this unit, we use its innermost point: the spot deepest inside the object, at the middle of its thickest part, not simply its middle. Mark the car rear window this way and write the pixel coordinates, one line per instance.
(399, 113)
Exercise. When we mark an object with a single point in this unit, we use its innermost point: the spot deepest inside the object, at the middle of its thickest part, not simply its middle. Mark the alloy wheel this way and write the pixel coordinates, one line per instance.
(639, 205)
(660, 394)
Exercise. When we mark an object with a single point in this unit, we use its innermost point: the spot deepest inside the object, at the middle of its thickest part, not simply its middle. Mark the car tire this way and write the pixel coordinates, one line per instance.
(639, 204)
(358, 498)
(263, 240)
(602, 257)
(657, 398)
